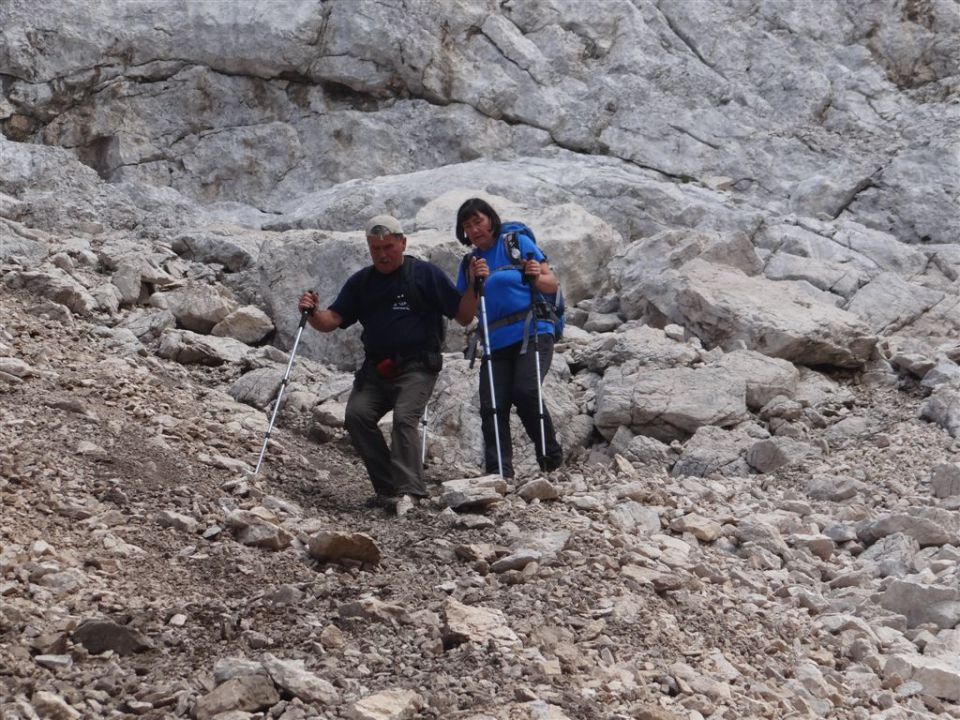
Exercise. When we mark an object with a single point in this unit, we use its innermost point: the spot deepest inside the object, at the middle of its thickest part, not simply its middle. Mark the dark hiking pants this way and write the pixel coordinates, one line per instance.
(516, 385)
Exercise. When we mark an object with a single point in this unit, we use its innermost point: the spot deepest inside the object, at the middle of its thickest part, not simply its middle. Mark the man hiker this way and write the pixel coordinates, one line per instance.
(400, 301)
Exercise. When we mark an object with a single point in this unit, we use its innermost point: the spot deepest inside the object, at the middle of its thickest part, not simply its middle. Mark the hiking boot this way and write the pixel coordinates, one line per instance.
(405, 503)
(384, 502)
(550, 463)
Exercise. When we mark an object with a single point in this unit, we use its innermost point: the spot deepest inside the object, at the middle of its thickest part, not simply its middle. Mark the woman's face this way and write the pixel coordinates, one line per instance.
(479, 231)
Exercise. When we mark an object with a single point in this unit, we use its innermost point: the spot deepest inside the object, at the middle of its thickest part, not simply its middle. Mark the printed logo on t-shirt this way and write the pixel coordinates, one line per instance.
(400, 303)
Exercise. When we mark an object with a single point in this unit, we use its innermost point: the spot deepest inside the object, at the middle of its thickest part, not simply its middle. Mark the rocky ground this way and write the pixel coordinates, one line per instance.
(739, 196)
(134, 584)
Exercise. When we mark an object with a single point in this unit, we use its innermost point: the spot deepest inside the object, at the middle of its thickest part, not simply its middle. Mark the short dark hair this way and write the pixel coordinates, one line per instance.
(472, 207)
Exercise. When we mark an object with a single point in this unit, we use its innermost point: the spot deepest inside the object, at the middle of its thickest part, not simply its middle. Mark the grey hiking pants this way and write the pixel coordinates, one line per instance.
(396, 470)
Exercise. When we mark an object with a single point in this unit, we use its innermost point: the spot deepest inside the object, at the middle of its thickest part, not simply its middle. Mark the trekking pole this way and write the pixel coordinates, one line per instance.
(283, 384)
(478, 288)
(423, 438)
(536, 355)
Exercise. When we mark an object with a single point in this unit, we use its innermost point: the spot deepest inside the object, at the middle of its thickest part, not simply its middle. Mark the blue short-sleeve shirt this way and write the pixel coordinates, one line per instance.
(505, 294)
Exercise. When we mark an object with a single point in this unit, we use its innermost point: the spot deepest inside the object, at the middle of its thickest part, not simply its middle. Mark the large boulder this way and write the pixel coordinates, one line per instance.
(190, 348)
(54, 284)
(248, 324)
(233, 247)
(196, 307)
(314, 261)
(669, 404)
(715, 449)
(632, 347)
(943, 408)
(729, 309)
(765, 377)
(27, 245)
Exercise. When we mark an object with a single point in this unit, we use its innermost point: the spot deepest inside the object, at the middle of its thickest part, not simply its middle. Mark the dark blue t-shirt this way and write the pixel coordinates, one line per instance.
(391, 326)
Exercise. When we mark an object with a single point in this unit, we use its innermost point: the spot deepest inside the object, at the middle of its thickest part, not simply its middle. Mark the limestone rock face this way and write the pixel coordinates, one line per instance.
(888, 302)
(557, 87)
(752, 208)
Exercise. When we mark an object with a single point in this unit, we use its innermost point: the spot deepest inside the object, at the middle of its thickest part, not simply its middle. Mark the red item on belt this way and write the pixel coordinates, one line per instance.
(388, 369)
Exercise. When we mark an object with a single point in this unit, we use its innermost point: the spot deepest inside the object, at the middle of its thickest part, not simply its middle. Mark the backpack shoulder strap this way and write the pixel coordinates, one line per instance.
(364, 284)
(409, 284)
(417, 302)
(512, 246)
(512, 232)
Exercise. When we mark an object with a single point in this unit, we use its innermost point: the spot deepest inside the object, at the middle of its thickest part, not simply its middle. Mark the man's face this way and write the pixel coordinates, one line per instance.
(386, 251)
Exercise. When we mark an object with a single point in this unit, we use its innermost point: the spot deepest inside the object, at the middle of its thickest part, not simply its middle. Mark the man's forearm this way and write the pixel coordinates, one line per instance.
(468, 307)
(325, 320)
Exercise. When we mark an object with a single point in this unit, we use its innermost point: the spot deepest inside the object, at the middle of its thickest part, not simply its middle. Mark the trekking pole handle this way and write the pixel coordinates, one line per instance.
(304, 314)
(533, 310)
(526, 278)
(477, 281)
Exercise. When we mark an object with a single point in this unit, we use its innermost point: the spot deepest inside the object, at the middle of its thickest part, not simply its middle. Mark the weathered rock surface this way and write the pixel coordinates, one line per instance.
(669, 404)
(726, 308)
(331, 546)
(752, 209)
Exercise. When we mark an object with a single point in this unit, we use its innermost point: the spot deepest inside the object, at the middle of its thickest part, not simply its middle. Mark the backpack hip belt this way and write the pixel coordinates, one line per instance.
(543, 312)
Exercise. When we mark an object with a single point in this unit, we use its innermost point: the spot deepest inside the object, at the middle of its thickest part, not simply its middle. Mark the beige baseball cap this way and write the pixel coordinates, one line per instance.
(381, 225)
